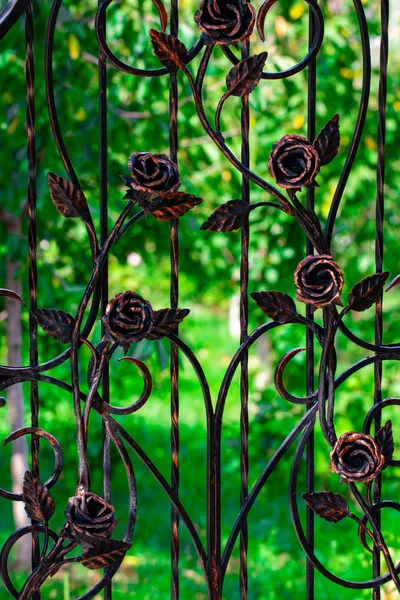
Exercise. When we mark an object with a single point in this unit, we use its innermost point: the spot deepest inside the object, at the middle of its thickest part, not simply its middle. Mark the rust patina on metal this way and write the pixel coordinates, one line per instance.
(359, 458)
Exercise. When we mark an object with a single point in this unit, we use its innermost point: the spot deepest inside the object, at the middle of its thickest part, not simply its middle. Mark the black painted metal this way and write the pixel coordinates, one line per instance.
(358, 458)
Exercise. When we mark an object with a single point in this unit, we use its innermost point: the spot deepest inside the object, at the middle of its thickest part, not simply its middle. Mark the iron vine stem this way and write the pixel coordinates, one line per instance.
(83, 469)
(377, 534)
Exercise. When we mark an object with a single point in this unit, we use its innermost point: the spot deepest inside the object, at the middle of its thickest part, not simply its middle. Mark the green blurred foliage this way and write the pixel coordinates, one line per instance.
(138, 120)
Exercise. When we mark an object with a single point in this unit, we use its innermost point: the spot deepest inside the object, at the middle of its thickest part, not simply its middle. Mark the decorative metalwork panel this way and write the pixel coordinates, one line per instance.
(155, 191)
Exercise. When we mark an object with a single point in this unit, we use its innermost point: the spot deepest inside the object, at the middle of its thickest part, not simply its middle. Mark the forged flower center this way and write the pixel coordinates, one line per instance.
(226, 23)
(128, 318)
(318, 280)
(357, 457)
(294, 162)
(153, 174)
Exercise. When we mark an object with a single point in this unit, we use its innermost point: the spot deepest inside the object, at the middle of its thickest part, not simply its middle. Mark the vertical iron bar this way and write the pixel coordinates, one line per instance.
(32, 246)
(244, 376)
(214, 433)
(105, 386)
(311, 118)
(379, 248)
(174, 297)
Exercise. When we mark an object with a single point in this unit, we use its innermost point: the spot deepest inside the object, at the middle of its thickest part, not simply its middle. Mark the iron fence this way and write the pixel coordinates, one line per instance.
(154, 189)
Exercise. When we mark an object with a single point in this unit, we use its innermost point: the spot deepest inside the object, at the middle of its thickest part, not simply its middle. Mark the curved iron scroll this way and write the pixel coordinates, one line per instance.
(154, 189)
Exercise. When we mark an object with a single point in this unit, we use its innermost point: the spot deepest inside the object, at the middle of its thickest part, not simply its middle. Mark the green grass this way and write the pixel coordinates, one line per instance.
(208, 275)
(276, 561)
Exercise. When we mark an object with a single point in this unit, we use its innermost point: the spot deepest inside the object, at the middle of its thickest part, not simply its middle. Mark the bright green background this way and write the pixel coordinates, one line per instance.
(138, 120)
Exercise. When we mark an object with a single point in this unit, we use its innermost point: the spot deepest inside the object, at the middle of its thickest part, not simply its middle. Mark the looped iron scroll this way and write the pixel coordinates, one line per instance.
(154, 190)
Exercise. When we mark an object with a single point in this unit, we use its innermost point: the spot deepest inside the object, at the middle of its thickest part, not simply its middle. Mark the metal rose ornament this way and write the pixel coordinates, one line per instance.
(294, 162)
(226, 22)
(357, 457)
(154, 184)
(153, 173)
(90, 519)
(319, 281)
(128, 318)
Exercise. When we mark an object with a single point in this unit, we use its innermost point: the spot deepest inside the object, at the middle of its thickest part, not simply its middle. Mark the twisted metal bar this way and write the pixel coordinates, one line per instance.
(32, 246)
(310, 354)
(380, 197)
(213, 560)
(174, 300)
(244, 318)
(103, 285)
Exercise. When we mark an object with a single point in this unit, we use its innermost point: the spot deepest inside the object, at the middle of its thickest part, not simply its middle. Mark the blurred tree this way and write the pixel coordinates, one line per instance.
(138, 120)
(19, 459)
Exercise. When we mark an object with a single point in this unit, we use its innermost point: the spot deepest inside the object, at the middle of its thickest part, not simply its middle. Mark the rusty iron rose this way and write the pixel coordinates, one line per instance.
(90, 519)
(128, 318)
(319, 281)
(153, 173)
(293, 162)
(357, 457)
(226, 22)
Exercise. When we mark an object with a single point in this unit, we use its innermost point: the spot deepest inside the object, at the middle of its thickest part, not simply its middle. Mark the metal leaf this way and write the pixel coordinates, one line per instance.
(104, 554)
(277, 306)
(244, 77)
(227, 217)
(169, 50)
(67, 198)
(130, 193)
(367, 291)
(384, 439)
(56, 323)
(39, 505)
(327, 141)
(144, 199)
(173, 206)
(166, 321)
(11, 294)
(327, 505)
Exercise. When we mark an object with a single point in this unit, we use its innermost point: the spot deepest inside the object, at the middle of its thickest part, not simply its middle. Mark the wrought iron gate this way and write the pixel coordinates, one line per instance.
(154, 190)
